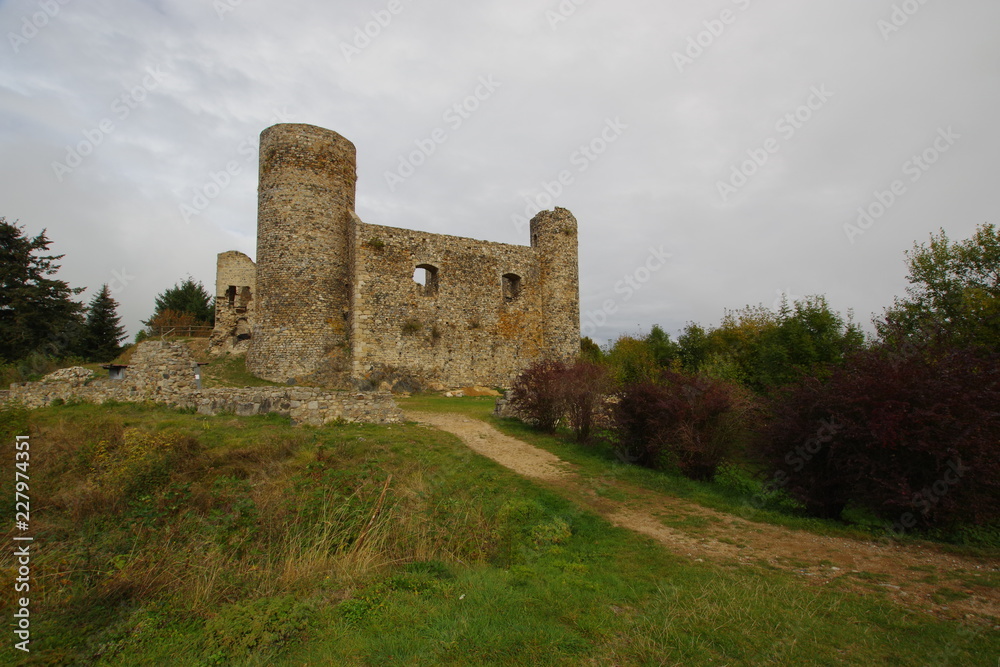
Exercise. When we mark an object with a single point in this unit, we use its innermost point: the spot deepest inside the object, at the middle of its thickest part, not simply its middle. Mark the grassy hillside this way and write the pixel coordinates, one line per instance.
(171, 538)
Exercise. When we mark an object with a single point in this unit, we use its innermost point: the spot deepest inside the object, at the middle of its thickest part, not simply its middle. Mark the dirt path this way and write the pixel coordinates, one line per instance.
(917, 576)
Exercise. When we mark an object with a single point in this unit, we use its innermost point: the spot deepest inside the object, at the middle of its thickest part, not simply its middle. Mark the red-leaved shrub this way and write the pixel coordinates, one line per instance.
(585, 388)
(548, 391)
(537, 394)
(690, 422)
(916, 440)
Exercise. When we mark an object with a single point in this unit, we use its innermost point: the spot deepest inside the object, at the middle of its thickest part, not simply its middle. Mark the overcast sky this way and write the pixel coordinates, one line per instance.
(715, 154)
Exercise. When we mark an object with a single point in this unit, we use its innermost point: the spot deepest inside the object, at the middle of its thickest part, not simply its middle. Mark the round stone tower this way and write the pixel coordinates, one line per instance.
(553, 235)
(305, 202)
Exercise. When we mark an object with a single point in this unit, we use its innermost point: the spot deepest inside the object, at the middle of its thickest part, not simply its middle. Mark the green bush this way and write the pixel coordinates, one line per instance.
(253, 630)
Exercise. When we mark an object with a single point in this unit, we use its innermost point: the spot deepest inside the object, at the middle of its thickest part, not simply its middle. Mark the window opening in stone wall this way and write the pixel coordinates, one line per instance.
(244, 300)
(231, 295)
(511, 287)
(426, 276)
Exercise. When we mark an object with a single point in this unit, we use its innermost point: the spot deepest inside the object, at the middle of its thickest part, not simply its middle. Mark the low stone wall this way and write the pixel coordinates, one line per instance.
(41, 394)
(303, 405)
(165, 373)
(502, 408)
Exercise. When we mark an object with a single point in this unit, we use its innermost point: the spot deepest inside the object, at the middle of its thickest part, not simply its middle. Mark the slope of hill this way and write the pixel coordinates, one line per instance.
(171, 538)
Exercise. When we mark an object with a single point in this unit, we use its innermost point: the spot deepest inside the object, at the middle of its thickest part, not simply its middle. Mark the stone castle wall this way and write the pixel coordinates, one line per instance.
(303, 405)
(554, 236)
(166, 373)
(468, 325)
(235, 287)
(336, 303)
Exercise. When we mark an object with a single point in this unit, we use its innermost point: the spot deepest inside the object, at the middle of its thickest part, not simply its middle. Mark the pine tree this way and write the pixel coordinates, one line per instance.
(103, 332)
(37, 313)
(188, 298)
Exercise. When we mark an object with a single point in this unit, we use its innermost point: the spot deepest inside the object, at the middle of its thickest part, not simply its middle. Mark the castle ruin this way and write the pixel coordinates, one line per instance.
(333, 300)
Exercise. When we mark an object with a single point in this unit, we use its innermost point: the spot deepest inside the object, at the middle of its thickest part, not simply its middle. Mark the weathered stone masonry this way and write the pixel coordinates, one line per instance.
(235, 285)
(165, 373)
(335, 300)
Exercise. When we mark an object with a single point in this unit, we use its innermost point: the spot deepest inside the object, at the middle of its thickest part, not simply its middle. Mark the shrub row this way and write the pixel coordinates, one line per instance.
(912, 440)
(680, 421)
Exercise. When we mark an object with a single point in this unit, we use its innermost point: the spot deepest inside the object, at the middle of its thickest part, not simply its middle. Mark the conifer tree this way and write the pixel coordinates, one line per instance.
(188, 297)
(103, 331)
(37, 313)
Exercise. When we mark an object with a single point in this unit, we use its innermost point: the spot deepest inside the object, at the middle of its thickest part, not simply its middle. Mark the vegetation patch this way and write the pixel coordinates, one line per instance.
(252, 542)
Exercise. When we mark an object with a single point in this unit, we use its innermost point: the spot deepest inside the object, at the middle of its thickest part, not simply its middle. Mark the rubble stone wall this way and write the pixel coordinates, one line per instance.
(165, 373)
(305, 198)
(335, 302)
(235, 287)
(460, 328)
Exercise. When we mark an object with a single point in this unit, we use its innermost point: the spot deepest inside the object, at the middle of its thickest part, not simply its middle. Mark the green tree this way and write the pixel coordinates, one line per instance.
(631, 360)
(734, 346)
(806, 339)
(591, 351)
(694, 347)
(103, 330)
(761, 349)
(954, 293)
(186, 298)
(664, 350)
(37, 313)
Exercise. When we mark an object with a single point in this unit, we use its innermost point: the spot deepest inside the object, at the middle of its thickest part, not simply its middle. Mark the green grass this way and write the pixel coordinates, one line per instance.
(598, 463)
(230, 371)
(171, 538)
(945, 595)
(480, 407)
(984, 579)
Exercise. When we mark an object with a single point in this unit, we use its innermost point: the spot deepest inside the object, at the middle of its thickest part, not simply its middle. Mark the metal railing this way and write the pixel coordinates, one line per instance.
(183, 330)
